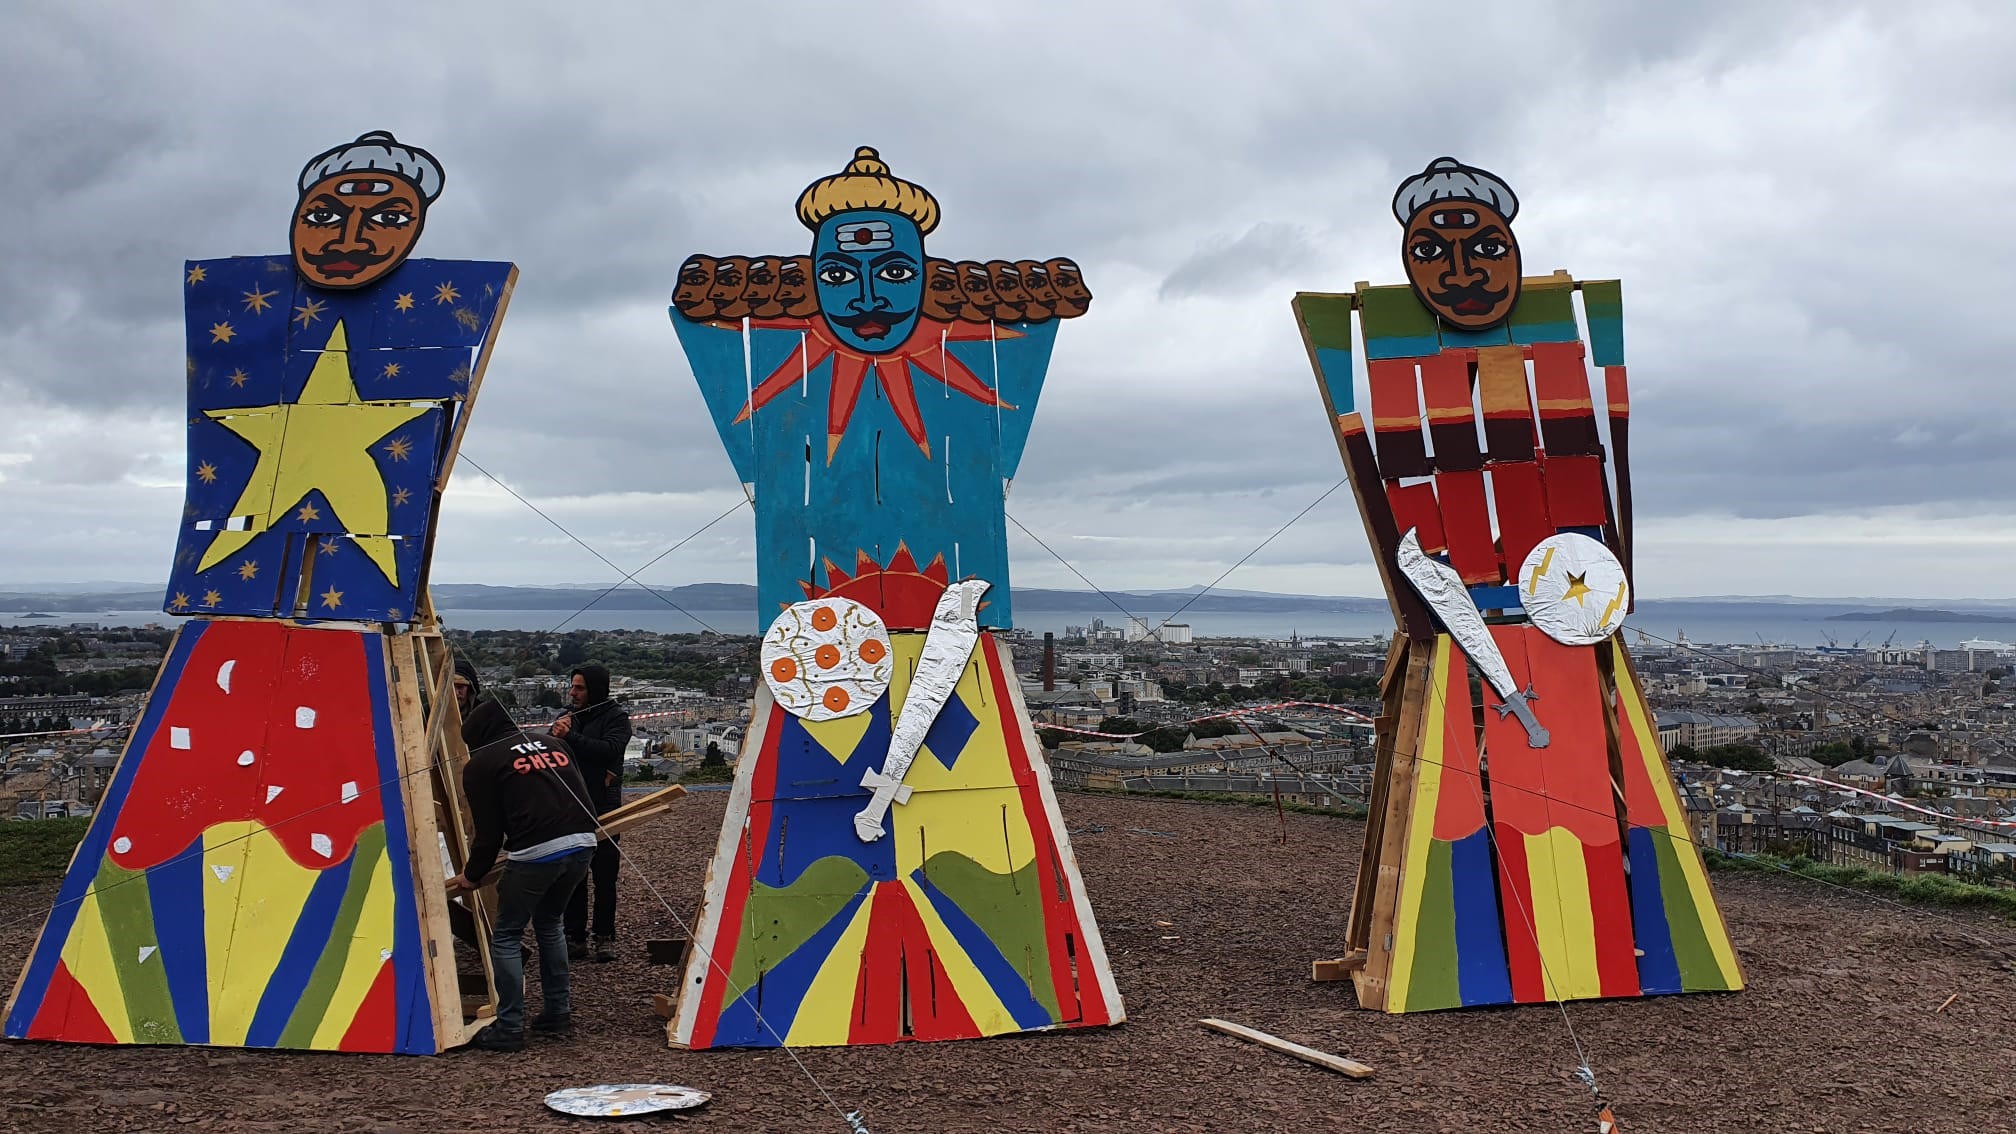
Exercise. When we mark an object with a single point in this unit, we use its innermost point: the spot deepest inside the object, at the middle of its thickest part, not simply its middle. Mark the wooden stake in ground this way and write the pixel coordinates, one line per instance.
(1338, 1063)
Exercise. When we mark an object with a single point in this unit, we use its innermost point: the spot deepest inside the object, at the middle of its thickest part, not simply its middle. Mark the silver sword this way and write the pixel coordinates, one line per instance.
(1442, 588)
(948, 646)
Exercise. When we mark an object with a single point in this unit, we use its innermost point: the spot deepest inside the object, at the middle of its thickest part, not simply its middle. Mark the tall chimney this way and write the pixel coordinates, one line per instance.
(1049, 662)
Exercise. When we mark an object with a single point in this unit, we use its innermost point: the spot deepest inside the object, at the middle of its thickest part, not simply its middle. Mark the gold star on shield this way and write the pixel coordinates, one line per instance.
(196, 275)
(326, 436)
(308, 512)
(309, 312)
(446, 293)
(400, 448)
(212, 598)
(221, 332)
(401, 497)
(1576, 589)
(238, 377)
(207, 473)
(404, 302)
(328, 548)
(391, 370)
(257, 301)
(246, 570)
(332, 598)
(179, 602)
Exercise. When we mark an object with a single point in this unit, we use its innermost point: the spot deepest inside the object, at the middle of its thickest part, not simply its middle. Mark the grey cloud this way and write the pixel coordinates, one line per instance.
(1267, 251)
(1803, 343)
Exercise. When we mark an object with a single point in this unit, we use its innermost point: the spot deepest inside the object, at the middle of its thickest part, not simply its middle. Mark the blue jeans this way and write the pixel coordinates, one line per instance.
(534, 893)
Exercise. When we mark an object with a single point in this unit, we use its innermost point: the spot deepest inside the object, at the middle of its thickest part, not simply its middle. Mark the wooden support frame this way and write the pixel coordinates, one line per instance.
(428, 724)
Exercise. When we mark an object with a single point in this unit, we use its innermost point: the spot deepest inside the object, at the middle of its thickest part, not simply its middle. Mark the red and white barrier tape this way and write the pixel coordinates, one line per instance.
(1833, 786)
(1339, 709)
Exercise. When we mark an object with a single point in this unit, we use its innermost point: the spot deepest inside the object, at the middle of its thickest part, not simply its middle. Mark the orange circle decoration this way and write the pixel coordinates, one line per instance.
(826, 658)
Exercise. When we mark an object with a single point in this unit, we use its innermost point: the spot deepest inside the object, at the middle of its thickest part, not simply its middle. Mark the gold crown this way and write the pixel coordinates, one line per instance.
(866, 183)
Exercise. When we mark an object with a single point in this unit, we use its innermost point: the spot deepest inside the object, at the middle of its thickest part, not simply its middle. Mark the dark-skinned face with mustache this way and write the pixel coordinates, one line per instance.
(1462, 262)
(353, 227)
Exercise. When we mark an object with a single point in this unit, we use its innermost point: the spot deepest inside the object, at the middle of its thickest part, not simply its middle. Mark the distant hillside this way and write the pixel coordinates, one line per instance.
(1914, 614)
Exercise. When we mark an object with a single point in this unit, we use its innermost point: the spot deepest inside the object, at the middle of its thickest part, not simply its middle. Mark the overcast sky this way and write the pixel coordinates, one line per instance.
(1805, 202)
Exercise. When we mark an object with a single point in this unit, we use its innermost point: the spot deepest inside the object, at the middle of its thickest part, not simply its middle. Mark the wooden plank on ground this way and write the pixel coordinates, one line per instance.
(1337, 1063)
(637, 810)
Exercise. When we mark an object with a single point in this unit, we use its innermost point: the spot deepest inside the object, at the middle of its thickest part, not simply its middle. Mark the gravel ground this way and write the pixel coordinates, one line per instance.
(1206, 912)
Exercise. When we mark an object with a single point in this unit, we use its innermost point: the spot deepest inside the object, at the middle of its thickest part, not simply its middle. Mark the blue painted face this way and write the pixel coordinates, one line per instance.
(868, 266)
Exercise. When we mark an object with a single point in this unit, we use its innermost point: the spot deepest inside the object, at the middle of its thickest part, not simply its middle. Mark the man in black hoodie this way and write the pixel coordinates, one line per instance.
(528, 800)
(597, 732)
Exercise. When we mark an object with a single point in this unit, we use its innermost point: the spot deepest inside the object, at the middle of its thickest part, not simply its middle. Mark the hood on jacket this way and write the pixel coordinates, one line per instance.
(596, 678)
(466, 668)
(487, 721)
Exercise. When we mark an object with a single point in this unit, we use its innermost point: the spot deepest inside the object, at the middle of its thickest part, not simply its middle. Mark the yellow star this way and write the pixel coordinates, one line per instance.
(328, 548)
(207, 473)
(246, 570)
(309, 312)
(446, 293)
(401, 497)
(238, 377)
(327, 436)
(256, 300)
(308, 512)
(404, 302)
(1576, 589)
(212, 598)
(179, 602)
(391, 370)
(400, 448)
(196, 275)
(221, 332)
(332, 598)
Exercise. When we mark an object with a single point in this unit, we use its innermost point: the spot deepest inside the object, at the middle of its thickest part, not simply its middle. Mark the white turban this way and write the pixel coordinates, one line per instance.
(1449, 179)
(378, 150)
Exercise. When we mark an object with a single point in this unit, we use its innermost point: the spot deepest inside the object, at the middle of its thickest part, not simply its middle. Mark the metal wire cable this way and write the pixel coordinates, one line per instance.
(562, 529)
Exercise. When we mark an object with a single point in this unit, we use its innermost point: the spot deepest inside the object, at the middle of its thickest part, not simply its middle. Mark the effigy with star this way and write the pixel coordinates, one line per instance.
(1526, 842)
(263, 870)
(892, 865)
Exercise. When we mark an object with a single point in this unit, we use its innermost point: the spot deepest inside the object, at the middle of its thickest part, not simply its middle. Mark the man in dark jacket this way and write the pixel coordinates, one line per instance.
(528, 800)
(597, 732)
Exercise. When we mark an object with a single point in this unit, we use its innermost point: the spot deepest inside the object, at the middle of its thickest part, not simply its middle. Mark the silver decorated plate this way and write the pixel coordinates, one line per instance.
(615, 1100)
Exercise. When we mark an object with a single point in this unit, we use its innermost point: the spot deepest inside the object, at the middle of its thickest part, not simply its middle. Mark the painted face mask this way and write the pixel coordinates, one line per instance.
(942, 295)
(353, 227)
(1073, 298)
(1457, 243)
(794, 288)
(868, 269)
(696, 277)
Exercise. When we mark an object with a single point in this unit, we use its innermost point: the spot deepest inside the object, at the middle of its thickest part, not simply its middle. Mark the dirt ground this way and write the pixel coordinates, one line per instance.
(1839, 1031)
